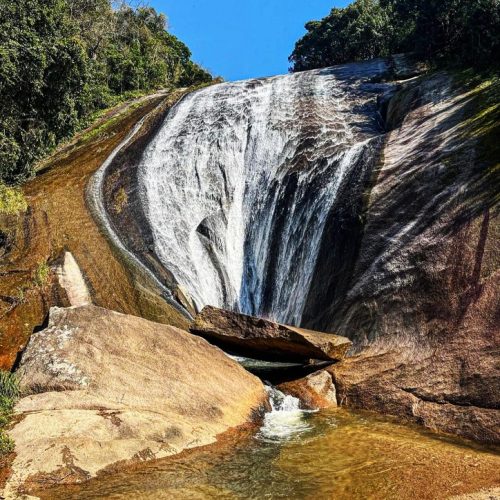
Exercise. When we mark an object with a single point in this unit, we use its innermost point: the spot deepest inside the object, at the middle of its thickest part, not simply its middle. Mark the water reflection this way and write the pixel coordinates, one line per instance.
(331, 454)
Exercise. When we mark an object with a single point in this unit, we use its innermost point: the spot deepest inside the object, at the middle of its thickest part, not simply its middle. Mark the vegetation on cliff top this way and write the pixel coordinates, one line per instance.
(62, 60)
(466, 32)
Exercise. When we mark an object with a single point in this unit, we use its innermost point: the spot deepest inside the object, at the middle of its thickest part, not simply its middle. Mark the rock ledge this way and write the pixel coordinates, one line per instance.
(264, 339)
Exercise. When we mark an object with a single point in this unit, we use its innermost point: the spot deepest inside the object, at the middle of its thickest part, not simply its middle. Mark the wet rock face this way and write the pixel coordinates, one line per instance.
(58, 220)
(314, 391)
(427, 251)
(264, 339)
(421, 300)
(240, 183)
(103, 388)
(425, 283)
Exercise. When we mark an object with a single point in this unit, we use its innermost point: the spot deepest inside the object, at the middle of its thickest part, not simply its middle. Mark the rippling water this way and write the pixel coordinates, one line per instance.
(324, 455)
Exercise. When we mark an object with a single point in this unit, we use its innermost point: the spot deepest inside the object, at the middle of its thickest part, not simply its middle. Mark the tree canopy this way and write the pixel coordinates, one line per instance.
(463, 31)
(61, 60)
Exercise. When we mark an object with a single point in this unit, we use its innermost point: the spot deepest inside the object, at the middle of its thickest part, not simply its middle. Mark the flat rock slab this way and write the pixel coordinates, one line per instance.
(264, 339)
(105, 389)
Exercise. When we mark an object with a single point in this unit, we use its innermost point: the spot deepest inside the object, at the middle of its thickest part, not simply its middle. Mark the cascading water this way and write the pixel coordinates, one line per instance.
(285, 420)
(239, 182)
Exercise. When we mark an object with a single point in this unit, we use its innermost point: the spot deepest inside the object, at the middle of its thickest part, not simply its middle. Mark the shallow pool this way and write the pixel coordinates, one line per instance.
(312, 455)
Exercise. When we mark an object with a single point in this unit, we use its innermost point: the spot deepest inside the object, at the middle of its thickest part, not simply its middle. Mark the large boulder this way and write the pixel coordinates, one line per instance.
(264, 339)
(106, 389)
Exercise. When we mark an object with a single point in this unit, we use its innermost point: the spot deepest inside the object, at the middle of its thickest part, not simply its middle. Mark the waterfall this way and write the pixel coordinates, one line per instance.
(239, 181)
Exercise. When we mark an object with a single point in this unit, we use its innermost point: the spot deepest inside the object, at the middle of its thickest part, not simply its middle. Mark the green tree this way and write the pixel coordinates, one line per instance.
(359, 31)
(60, 60)
(465, 32)
(42, 75)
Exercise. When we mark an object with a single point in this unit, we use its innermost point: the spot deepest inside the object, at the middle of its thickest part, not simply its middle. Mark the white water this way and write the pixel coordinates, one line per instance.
(285, 420)
(239, 181)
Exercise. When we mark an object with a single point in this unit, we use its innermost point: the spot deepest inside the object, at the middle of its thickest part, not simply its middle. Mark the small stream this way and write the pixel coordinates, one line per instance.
(298, 454)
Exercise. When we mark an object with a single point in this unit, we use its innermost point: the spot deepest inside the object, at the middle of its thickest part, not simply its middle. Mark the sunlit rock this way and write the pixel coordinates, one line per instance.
(264, 339)
(103, 388)
(314, 391)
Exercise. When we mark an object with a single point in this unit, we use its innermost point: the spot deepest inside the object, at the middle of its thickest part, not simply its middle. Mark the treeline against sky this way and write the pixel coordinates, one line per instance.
(464, 32)
(62, 60)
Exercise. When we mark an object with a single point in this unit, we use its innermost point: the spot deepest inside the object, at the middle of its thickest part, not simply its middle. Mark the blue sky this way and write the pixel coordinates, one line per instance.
(239, 39)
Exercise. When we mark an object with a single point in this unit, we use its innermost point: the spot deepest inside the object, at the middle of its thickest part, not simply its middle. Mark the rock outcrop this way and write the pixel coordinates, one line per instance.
(416, 287)
(373, 214)
(58, 220)
(450, 391)
(314, 391)
(103, 389)
(71, 279)
(263, 339)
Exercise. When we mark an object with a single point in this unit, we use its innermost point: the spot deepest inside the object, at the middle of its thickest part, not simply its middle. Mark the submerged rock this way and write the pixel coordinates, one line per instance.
(314, 391)
(104, 389)
(264, 339)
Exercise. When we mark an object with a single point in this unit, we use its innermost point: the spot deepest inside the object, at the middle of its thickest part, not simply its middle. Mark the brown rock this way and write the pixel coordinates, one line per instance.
(104, 388)
(439, 391)
(419, 282)
(314, 391)
(59, 219)
(263, 339)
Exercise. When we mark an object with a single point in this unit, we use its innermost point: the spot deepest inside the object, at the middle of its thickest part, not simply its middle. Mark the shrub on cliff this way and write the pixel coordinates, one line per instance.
(12, 200)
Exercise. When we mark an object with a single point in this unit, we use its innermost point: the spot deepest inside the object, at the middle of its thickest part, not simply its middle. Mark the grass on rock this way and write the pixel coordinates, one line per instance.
(9, 393)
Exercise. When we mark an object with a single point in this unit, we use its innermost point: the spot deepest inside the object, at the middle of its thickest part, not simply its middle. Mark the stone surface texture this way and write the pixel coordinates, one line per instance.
(103, 389)
(264, 339)
(314, 391)
(419, 299)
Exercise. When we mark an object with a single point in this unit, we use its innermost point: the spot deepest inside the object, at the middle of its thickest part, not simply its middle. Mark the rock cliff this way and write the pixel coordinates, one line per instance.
(344, 200)
(420, 297)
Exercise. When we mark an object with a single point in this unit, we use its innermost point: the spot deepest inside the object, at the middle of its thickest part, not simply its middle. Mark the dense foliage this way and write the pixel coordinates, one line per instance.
(61, 60)
(463, 31)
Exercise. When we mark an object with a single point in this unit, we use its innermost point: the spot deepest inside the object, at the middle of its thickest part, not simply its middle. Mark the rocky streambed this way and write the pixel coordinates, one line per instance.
(106, 394)
(328, 454)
